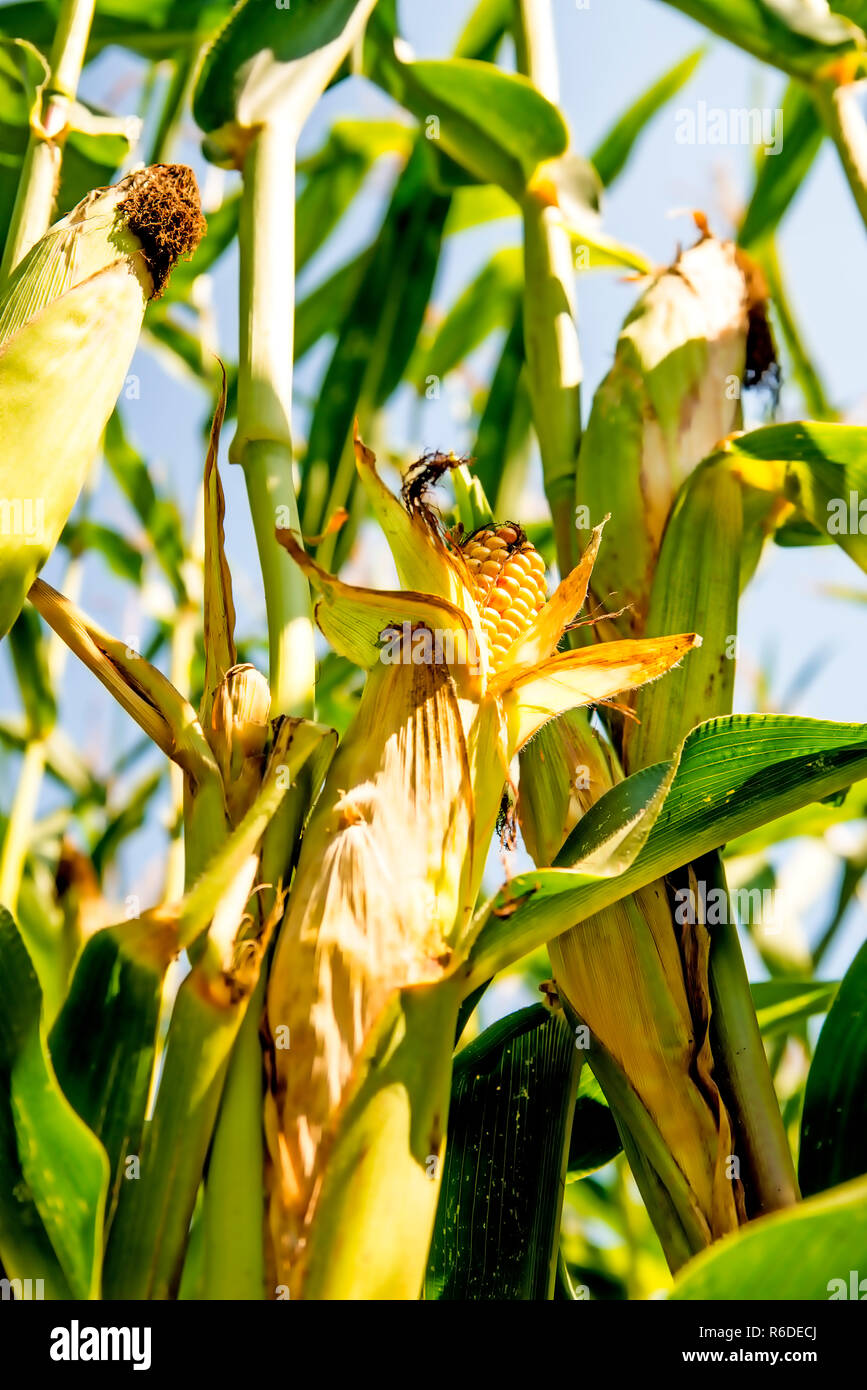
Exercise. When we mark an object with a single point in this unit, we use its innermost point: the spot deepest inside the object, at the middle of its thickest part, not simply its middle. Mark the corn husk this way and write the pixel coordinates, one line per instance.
(363, 984)
(673, 393)
(69, 323)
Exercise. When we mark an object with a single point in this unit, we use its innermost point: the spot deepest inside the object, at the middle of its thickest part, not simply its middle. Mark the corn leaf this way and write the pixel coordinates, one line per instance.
(145, 1253)
(513, 1093)
(81, 536)
(695, 588)
(611, 154)
(29, 658)
(781, 1004)
(795, 35)
(155, 31)
(494, 124)
(595, 1137)
(62, 1169)
(729, 776)
(489, 301)
(90, 159)
(806, 1252)
(376, 341)
(780, 176)
(266, 61)
(821, 468)
(834, 1123)
(813, 820)
(336, 172)
(158, 515)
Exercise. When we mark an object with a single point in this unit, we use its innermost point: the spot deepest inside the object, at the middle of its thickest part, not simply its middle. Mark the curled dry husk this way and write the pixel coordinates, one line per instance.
(380, 908)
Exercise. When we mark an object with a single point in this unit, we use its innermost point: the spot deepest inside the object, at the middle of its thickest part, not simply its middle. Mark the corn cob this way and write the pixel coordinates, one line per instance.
(364, 981)
(69, 323)
(694, 337)
(697, 333)
(508, 586)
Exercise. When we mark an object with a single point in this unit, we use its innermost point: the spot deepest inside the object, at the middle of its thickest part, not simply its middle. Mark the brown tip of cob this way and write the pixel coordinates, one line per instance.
(162, 208)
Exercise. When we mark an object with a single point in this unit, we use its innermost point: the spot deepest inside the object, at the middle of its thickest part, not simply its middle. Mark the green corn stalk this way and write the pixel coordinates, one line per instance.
(553, 354)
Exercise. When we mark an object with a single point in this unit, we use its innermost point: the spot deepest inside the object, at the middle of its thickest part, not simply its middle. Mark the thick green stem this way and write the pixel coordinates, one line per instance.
(37, 188)
(263, 443)
(233, 1213)
(550, 332)
(846, 126)
(745, 1077)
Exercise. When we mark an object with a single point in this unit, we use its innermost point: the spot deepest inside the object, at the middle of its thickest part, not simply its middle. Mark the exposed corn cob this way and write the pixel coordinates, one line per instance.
(508, 584)
(363, 982)
(69, 322)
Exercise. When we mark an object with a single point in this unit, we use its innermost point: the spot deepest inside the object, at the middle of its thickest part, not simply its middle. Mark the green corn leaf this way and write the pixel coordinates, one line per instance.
(812, 820)
(155, 31)
(104, 1039)
(680, 358)
(780, 176)
(782, 1004)
(267, 63)
(158, 515)
(800, 367)
(103, 1043)
(222, 230)
(730, 775)
(614, 150)
(31, 669)
(595, 1138)
(336, 172)
(130, 818)
(821, 468)
(485, 30)
(81, 536)
(494, 124)
(51, 1161)
(695, 589)
(375, 343)
(806, 1252)
(795, 35)
(834, 1122)
(489, 301)
(502, 446)
(510, 1117)
(328, 304)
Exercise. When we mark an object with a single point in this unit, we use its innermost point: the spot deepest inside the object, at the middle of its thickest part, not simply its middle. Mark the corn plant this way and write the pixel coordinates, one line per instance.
(480, 735)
